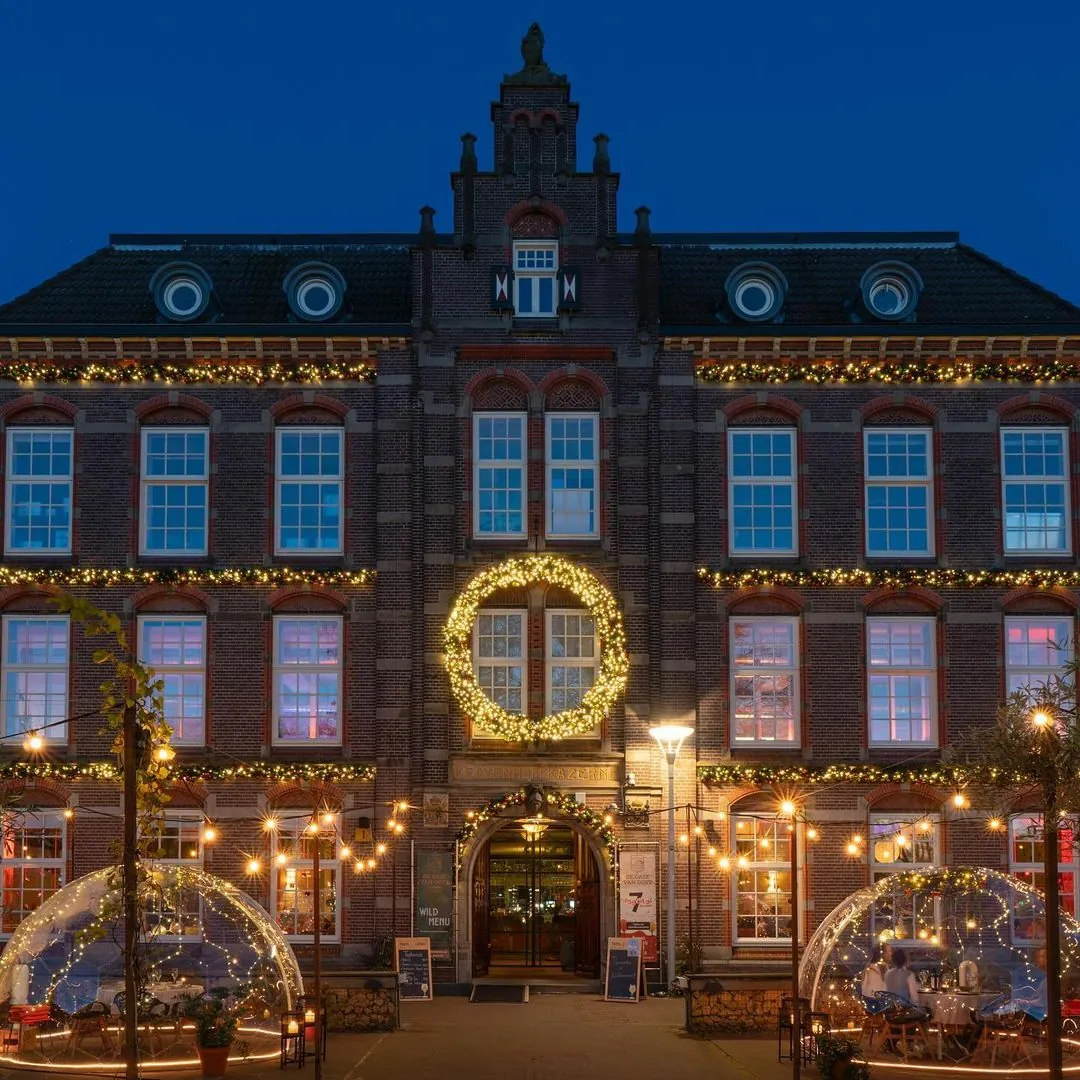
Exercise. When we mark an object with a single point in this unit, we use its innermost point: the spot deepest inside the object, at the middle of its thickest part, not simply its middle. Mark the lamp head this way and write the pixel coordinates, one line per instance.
(670, 737)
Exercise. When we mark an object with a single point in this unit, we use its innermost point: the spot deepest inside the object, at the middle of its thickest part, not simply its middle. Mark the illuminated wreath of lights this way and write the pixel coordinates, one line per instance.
(73, 577)
(517, 574)
(219, 372)
(253, 770)
(876, 371)
(932, 578)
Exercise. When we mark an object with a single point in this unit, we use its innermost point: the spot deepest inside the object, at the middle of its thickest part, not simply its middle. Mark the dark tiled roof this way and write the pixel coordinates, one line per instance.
(111, 287)
(961, 286)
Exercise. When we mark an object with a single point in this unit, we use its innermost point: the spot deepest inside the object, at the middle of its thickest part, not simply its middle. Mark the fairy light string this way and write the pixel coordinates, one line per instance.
(209, 371)
(92, 577)
(900, 577)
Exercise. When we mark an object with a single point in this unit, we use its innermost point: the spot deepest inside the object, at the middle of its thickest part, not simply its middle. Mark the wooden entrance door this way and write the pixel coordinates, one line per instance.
(481, 912)
(587, 921)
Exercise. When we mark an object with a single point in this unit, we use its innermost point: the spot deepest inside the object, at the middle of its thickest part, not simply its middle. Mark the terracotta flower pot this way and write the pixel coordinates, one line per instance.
(214, 1059)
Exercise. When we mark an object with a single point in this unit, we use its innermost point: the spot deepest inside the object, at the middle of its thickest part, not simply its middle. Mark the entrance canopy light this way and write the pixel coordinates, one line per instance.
(670, 738)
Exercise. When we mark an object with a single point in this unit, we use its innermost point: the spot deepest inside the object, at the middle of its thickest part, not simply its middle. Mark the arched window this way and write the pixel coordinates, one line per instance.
(39, 480)
(761, 873)
(898, 463)
(33, 860)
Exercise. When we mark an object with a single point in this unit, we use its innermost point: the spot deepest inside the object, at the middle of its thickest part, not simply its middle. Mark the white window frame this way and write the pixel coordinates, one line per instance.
(757, 828)
(521, 463)
(10, 480)
(280, 668)
(57, 735)
(1065, 480)
(553, 464)
(280, 481)
(167, 482)
(552, 661)
(736, 671)
(907, 482)
(881, 827)
(498, 661)
(189, 824)
(291, 833)
(1032, 871)
(13, 824)
(791, 481)
(536, 274)
(899, 671)
(1038, 674)
(163, 671)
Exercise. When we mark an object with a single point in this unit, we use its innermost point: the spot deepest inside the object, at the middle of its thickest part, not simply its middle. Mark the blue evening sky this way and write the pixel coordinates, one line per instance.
(344, 116)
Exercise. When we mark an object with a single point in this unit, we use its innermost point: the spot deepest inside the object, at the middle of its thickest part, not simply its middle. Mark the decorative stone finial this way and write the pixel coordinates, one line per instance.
(643, 232)
(535, 72)
(468, 153)
(427, 222)
(601, 162)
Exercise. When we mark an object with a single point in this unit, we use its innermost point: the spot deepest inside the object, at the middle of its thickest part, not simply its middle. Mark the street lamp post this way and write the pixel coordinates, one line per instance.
(670, 738)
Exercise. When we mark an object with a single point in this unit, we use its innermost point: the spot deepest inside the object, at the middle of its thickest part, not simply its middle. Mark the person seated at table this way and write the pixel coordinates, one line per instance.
(873, 977)
(901, 983)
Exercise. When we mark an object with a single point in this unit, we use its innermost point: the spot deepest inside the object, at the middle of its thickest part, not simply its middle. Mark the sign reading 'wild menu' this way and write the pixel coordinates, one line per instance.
(435, 900)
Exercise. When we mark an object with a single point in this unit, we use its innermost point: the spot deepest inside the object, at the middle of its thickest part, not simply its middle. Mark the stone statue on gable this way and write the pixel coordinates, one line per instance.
(535, 72)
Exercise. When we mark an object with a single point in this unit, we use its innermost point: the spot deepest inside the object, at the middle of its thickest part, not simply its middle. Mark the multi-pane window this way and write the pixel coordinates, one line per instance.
(175, 491)
(32, 862)
(1026, 862)
(499, 650)
(1035, 490)
(499, 474)
(898, 492)
(39, 479)
(536, 266)
(174, 912)
(902, 681)
(572, 658)
(307, 680)
(35, 675)
(310, 490)
(904, 841)
(761, 491)
(764, 681)
(762, 879)
(1036, 649)
(175, 647)
(572, 467)
(294, 899)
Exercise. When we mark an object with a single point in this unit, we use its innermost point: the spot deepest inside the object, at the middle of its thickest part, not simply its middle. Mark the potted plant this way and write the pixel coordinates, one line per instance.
(835, 1056)
(216, 1021)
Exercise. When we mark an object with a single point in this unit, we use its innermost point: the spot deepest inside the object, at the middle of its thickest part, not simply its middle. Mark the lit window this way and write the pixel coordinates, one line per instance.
(898, 492)
(536, 266)
(499, 474)
(32, 863)
(39, 479)
(761, 491)
(175, 913)
(902, 681)
(764, 681)
(35, 676)
(571, 658)
(1035, 490)
(175, 647)
(762, 876)
(572, 465)
(175, 491)
(307, 680)
(904, 841)
(1036, 649)
(1026, 862)
(293, 881)
(310, 490)
(499, 651)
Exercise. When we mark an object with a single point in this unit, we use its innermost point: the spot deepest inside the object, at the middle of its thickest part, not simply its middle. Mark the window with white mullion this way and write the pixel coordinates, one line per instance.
(307, 680)
(499, 448)
(1037, 648)
(899, 491)
(499, 651)
(572, 473)
(761, 879)
(310, 491)
(898, 842)
(175, 647)
(1035, 471)
(174, 510)
(33, 853)
(764, 681)
(292, 885)
(35, 675)
(175, 914)
(38, 486)
(761, 491)
(902, 681)
(571, 658)
(1026, 862)
(536, 267)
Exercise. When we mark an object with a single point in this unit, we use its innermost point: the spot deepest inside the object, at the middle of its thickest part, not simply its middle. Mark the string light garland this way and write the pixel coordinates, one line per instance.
(201, 372)
(816, 775)
(863, 577)
(934, 370)
(92, 577)
(109, 772)
(521, 573)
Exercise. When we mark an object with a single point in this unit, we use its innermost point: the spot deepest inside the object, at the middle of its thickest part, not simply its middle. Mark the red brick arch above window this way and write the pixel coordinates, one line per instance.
(902, 408)
(1035, 407)
(188, 795)
(1026, 599)
(571, 381)
(535, 227)
(911, 798)
(766, 600)
(535, 205)
(910, 600)
(499, 388)
(29, 598)
(168, 408)
(293, 794)
(763, 408)
(172, 597)
(313, 599)
(305, 408)
(36, 791)
(41, 408)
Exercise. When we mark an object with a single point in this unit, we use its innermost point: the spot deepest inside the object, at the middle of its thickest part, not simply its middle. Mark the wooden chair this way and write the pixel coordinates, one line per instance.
(873, 1023)
(1010, 1033)
(903, 1022)
(91, 1023)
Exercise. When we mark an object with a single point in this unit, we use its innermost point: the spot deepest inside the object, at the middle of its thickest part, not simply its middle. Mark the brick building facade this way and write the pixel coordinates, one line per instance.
(823, 479)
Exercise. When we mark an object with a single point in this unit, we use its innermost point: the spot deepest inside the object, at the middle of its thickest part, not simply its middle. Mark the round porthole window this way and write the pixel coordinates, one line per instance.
(315, 291)
(755, 292)
(890, 291)
(181, 291)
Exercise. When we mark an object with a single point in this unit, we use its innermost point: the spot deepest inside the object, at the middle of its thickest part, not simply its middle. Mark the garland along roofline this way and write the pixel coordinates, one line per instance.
(941, 775)
(864, 577)
(72, 577)
(108, 771)
(193, 373)
(878, 371)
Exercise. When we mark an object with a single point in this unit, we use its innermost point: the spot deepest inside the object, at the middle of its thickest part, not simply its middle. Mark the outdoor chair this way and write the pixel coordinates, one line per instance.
(904, 1022)
(1009, 1032)
(91, 1022)
(873, 1021)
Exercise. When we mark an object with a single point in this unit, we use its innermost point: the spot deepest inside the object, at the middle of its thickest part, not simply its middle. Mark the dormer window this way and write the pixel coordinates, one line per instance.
(536, 268)
(181, 291)
(890, 291)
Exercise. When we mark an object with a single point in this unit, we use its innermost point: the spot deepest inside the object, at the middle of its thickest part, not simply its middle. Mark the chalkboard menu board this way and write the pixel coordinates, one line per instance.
(623, 969)
(413, 956)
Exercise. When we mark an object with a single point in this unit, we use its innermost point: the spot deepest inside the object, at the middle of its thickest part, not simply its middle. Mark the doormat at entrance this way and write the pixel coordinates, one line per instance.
(487, 992)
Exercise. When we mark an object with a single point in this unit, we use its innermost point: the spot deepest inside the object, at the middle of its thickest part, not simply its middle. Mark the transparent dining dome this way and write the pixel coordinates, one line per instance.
(968, 929)
(200, 938)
